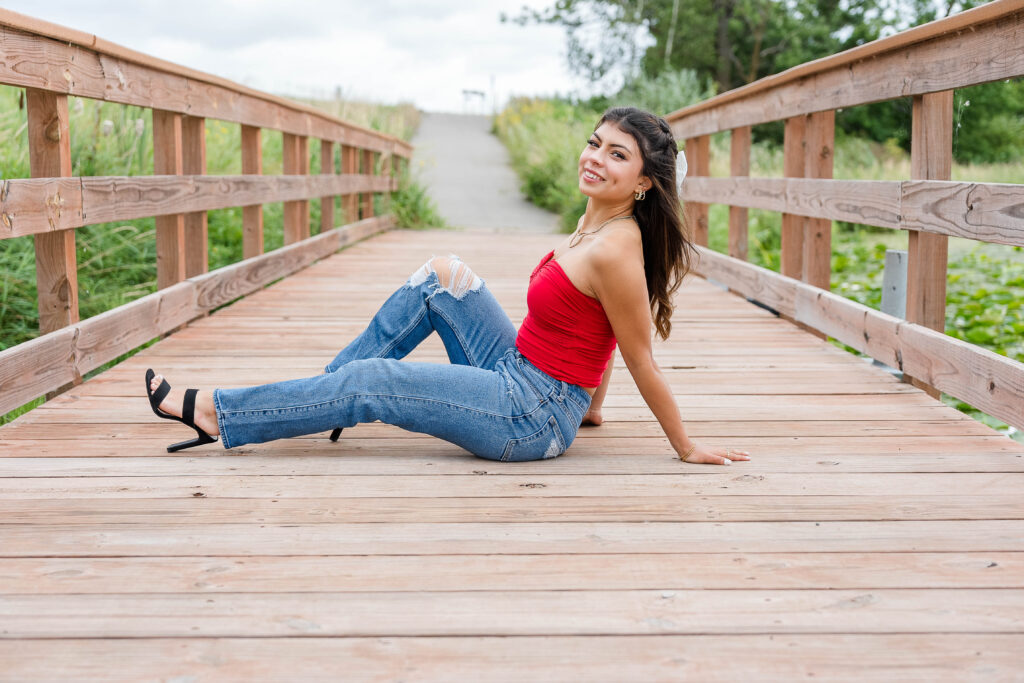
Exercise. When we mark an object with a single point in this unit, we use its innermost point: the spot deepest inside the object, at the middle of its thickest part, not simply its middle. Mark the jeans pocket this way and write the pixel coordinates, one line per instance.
(547, 442)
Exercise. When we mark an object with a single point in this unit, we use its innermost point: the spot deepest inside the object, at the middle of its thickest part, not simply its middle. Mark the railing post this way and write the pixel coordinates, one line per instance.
(931, 158)
(368, 170)
(698, 155)
(193, 162)
(295, 149)
(739, 166)
(252, 216)
(792, 249)
(49, 144)
(327, 203)
(350, 166)
(819, 138)
(170, 229)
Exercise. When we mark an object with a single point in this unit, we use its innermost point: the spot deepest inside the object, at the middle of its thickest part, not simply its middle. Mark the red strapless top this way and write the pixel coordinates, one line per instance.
(565, 333)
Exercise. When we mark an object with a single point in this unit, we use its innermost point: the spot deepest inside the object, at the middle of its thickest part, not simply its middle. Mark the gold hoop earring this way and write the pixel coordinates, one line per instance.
(639, 196)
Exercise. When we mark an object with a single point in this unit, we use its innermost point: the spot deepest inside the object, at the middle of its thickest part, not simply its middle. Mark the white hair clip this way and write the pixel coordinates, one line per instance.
(681, 169)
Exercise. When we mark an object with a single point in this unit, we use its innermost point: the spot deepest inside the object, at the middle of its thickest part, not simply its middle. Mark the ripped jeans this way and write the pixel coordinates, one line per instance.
(489, 400)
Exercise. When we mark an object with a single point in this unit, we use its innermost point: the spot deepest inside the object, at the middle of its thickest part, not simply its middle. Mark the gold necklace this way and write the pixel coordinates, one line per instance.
(578, 237)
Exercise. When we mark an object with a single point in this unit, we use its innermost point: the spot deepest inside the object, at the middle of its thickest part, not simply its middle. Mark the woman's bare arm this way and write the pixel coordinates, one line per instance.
(621, 288)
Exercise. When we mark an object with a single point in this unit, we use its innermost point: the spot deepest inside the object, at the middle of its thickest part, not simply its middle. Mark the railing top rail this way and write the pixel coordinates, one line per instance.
(69, 36)
(965, 20)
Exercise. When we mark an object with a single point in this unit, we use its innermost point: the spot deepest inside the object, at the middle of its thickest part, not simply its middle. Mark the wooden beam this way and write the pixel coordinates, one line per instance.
(739, 166)
(80, 64)
(193, 162)
(33, 368)
(793, 160)
(368, 168)
(819, 136)
(931, 158)
(327, 201)
(296, 213)
(350, 165)
(252, 215)
(49, 143)
(698, 155)
(170, 228)
(933, 58)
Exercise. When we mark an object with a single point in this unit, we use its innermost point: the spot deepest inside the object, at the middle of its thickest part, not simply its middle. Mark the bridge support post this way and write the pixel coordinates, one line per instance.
(792, 250)
(193, 162)
(295, 152)
(350, 166)
(252, 216)
(931, 158)
(327, 203)
(739, 166)
(49, 148)
(170, 229)
(698, 156)
(819, 137)
(368, 169)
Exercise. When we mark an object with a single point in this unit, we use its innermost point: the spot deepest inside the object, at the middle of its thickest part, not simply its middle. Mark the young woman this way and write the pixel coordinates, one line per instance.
(506, 395)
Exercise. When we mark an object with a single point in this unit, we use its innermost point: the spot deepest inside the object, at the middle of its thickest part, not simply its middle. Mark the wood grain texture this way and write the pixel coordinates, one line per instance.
(170, 227)
(965, 50)
(794, 159)
(876, 531)
(84, 65)
(193, 162)
(326, 202)
(739, 166)
(252, 215)
(698, 154)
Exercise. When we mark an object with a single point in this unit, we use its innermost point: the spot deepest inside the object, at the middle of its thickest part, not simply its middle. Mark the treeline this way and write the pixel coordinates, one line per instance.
(622, 47)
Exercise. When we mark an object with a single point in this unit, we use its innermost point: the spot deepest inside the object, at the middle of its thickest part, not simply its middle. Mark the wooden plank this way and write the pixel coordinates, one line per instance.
(990, 382)
(931, 158)
(932, 58)
(52, 360)
(368, 168)
(93, 510)
(218, 540)
(350, 166)
(926, 657)
(793, 160)
(294, 163)
(698, 154)
(739, 165)
(819, 152)
(327, 201)
(780, 571)
(170, 228)
(193, 162)
(84, 65)
(252, 215)
(542, 612)
(49, 143)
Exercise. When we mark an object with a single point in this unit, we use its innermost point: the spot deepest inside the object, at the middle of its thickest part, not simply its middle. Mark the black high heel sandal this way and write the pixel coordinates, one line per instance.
(188, 411)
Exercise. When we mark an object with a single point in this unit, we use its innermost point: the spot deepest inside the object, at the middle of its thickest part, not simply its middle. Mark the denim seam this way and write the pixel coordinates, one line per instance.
(309, 406)
(454, 328)
(224, 440)
(402, 335)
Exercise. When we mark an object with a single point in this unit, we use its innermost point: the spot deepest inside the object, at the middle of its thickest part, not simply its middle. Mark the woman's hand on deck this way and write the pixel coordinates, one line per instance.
(593, 417)
(713, 456)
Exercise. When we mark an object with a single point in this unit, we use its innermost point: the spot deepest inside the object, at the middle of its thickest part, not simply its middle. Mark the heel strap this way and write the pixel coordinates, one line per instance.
(188, 408)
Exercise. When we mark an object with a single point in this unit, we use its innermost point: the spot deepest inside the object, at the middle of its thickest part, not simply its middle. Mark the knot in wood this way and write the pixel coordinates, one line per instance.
(52, 131)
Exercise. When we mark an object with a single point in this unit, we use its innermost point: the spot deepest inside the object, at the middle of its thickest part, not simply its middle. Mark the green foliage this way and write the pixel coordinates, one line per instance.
(665, 92)
(413, 207)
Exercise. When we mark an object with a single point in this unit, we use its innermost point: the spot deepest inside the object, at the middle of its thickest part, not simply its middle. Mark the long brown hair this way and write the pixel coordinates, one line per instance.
(666, 246)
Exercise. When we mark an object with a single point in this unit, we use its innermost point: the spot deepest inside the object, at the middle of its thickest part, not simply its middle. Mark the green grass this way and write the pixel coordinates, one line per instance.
(117, 261)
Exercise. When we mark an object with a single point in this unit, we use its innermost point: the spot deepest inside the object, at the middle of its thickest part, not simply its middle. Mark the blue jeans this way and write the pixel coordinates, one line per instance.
(490, 400)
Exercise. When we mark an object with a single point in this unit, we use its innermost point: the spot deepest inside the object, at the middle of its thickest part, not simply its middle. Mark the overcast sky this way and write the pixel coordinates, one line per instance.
(424, 51)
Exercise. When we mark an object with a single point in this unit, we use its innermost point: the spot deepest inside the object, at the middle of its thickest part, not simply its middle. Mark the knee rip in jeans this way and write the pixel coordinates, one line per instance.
(453, 276)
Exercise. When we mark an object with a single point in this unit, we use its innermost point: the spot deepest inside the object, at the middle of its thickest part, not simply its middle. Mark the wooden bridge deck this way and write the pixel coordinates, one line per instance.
(875, 534)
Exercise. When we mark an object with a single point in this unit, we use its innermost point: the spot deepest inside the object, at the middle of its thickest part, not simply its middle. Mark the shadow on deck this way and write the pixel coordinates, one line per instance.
(875, 533)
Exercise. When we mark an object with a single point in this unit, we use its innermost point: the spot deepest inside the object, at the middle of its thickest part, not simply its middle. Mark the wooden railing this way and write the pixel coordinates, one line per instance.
(52, 63)
(925, 63)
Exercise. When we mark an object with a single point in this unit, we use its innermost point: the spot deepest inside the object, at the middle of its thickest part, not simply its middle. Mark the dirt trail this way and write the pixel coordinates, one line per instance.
(467, 172)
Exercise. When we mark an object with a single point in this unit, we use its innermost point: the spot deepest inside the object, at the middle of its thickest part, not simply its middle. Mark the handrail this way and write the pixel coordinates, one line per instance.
(925, 63)
(54, 62)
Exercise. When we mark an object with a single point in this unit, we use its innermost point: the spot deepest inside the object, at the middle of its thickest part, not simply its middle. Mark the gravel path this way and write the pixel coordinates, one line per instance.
(467, 172)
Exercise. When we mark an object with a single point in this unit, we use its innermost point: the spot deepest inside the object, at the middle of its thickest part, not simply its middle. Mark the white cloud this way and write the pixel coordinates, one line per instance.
(425, 51)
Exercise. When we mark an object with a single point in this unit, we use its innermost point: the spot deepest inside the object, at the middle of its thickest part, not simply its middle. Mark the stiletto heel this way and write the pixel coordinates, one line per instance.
(188, 411)
(335, 434)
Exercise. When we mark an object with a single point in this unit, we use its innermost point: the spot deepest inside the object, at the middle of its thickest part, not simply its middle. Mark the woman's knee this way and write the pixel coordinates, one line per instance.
(453, 276)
